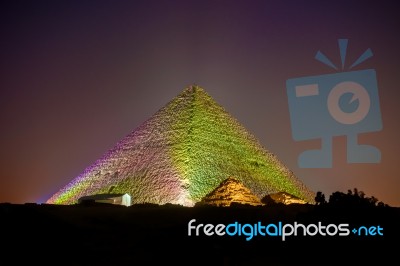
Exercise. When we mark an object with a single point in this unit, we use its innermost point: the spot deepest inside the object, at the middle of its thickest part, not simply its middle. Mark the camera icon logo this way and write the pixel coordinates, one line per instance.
(338, 104)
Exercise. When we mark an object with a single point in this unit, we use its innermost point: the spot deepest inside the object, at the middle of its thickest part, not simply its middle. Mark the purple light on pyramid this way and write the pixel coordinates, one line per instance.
(180, 154)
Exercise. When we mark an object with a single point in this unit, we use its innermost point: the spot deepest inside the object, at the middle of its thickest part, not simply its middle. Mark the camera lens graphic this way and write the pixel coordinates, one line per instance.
(359, 93)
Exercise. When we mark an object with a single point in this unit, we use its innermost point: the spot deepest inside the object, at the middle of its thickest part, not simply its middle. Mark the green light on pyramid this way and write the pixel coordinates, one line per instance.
(181, 154)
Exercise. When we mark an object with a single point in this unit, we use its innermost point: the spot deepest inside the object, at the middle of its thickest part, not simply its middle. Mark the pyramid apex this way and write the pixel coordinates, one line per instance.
(193, 89)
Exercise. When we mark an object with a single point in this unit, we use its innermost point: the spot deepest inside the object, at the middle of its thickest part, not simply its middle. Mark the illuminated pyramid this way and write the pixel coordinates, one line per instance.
(228, 192)
(282, 197)
(182, 153)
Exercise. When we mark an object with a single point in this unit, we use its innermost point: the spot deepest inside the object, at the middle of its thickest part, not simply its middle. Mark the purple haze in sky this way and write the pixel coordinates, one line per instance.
(78, 76)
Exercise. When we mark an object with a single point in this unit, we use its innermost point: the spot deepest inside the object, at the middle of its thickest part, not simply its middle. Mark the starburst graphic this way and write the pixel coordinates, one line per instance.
(343, 50)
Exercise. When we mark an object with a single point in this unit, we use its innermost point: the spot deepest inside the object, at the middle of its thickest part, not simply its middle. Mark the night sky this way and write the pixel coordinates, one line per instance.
(78, 76)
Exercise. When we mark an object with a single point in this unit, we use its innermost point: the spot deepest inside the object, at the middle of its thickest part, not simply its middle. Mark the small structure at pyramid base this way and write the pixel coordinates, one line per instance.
(282, 197)
(230, 191)
(116, 199)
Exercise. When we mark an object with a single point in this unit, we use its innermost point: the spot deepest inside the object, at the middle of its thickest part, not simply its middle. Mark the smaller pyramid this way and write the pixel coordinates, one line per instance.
(282, 197)
(230, 191)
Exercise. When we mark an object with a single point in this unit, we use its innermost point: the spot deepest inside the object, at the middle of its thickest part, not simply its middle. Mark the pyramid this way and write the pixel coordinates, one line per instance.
(228, 192)
(282, 197)
(180, 154)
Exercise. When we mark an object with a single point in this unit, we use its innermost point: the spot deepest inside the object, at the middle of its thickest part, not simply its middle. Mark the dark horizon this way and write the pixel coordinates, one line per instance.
(119, 235)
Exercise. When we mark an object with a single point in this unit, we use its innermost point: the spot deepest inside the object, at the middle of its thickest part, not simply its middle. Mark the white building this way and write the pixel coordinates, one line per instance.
(117, 199)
